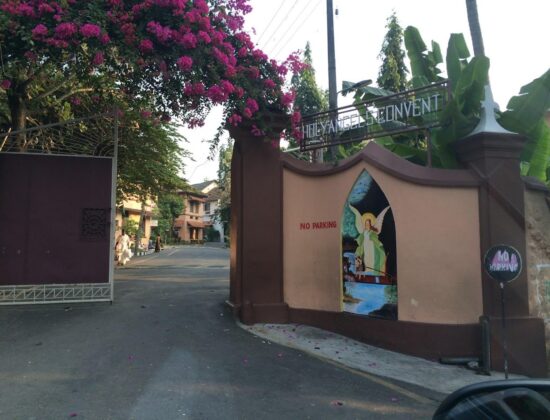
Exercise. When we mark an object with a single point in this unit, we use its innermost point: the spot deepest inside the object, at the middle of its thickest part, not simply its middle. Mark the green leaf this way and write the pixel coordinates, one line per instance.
(457, 52)
(415, 154)
(525, 110)
(436, 51)
(526, 115)
(423, 63)
(539, 161)
(470, 88)
(416, 49)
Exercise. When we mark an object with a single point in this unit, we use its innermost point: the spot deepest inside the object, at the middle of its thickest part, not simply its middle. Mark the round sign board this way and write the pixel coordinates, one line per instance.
(503, 263)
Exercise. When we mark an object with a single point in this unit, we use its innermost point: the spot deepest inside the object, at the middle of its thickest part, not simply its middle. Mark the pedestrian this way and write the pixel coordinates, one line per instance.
(158, 244)
(124, 253)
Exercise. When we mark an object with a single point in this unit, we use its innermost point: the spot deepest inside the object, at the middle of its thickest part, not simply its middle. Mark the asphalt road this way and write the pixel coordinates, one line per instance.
(168, 348)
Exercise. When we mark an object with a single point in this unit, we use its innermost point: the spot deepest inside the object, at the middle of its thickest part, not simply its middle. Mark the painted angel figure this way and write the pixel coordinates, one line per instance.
(369, 247)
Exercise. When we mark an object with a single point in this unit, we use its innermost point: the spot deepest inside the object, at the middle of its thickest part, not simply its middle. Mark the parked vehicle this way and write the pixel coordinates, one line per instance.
(516, 399)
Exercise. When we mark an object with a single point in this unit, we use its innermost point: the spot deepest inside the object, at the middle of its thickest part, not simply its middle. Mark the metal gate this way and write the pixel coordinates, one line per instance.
(57, 212)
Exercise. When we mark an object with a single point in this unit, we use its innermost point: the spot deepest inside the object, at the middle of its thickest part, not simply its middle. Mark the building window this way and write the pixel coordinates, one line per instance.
(207, 208)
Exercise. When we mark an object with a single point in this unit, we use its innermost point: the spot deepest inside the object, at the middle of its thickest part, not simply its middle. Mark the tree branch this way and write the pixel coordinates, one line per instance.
(52, 90)
(73, 92)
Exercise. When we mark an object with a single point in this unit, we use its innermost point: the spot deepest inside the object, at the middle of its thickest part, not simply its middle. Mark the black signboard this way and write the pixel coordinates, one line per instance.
(412, 110)
(503, 263)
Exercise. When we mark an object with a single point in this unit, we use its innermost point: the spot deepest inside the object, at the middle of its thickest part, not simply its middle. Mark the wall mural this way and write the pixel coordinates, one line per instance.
(369, 252)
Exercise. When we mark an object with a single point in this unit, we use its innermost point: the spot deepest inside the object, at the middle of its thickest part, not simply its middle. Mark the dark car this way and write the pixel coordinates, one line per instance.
(523, 399)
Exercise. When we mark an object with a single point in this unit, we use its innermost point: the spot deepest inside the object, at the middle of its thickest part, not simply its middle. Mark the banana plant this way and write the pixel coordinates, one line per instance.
(467, 76)
(526, 114)
(424, 63)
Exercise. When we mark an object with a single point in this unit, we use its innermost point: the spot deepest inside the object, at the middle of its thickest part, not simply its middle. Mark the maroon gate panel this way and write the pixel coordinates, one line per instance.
(54, 219)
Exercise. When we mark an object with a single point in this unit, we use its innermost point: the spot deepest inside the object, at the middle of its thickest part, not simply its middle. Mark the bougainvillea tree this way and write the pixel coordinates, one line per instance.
(179, 57)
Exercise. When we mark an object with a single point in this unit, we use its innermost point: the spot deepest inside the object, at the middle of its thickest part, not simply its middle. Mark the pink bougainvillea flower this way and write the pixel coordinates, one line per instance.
(204, 37)
(185, 63)
(287, 98)
(201, 6)
(189, 41)
(239, 92)
(247, 112)
(31, 56)
(146, 114)
(5, 84)
(98, 59)
(163, 33)
(24, 9)
(252, 105)
(254, 72)
(39, 31)
(256, 131)
(45, 8)
(216, 94)
(235, 120)
(146, 46)
(89, 30)
(230, 71)
(227, 86)
(270, 84)
(65, 30)
(104, 39)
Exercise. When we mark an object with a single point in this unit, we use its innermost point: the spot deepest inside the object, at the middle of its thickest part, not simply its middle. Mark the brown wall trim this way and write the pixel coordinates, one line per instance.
(430, 341)
(390, 163)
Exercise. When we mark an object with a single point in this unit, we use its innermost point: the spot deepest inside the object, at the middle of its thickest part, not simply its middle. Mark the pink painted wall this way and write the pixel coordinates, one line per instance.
(438, 248)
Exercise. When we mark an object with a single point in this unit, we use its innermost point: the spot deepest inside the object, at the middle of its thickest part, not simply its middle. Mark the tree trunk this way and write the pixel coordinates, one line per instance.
(475, 28)
(140, 232)
(18, 113)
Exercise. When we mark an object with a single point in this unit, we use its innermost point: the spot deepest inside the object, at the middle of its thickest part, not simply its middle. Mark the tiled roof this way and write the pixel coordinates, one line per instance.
(214, 194)
(202, 185)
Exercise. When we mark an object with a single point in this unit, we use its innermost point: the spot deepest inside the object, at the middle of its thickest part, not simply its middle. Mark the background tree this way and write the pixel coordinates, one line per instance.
(309, 99)
(393, 71)
(223, 212)
(169, 207)
(475, 27)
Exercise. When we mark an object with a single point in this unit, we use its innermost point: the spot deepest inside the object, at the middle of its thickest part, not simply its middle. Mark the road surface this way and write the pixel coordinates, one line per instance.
(168, 348)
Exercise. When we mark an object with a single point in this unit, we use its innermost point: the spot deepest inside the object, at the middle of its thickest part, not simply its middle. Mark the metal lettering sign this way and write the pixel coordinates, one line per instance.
(503, 263)
(411, 110)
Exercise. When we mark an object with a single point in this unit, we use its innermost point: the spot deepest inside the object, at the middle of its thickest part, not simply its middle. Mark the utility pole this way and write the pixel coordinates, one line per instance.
(332, 92)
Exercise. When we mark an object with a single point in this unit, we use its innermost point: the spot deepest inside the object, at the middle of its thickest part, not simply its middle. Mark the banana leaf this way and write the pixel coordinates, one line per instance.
(470, 87)
(457, 54)
(526, 115)
(423, 62)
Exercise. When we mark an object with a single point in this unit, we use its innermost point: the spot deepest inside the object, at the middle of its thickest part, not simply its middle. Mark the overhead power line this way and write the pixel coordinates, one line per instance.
(290, 35)
(284, 19)
(271, 21)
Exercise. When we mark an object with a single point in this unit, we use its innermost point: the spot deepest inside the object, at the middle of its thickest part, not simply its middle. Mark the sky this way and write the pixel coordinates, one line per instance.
(516, 37)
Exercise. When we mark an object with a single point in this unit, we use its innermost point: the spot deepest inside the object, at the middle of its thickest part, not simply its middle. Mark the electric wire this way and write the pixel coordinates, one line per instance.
(284, 19)
(296, 30)
(291, 26)
(270, 22)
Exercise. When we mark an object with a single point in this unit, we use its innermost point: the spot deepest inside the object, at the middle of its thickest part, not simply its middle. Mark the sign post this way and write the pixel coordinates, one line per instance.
(503, 264)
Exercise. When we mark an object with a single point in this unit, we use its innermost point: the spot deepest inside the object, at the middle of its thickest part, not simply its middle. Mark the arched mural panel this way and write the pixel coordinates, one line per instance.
(369, 257)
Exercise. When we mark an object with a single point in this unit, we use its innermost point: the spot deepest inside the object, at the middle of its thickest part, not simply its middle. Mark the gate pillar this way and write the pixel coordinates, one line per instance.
(256, 274)
(495, 159)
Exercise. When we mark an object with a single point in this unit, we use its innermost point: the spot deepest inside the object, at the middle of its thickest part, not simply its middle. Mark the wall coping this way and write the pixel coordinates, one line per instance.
(532, 183)
(388, 162)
